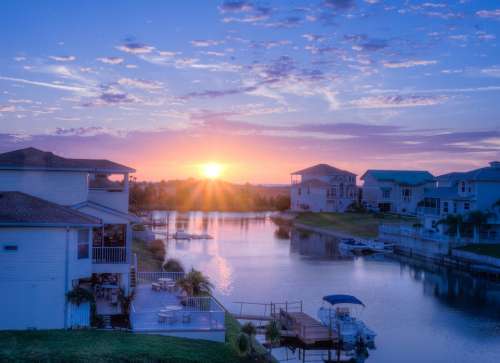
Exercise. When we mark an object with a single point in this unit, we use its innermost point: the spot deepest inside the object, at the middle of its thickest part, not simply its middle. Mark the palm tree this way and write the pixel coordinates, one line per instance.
(195, 283)
(250, 330)
(273, 334)
(454, 222)
(477, 219)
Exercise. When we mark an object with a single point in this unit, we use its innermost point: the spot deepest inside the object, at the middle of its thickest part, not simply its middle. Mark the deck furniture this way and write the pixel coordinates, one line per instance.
(155, 286)
(162, 317)
(186, 318)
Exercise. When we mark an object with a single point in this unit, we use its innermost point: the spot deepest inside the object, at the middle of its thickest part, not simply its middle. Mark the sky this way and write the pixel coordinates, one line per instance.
(262, 87)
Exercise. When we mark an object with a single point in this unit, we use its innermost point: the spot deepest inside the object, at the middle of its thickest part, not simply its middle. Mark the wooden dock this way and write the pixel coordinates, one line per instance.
(306, 329)
(296, 325)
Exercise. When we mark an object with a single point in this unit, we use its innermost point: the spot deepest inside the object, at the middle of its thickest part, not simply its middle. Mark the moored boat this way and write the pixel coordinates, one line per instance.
(338, 316)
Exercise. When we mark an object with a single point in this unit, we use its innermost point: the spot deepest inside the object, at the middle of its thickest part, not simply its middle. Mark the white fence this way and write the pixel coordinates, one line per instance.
(109, 254)
(79, 315)
(145, 277)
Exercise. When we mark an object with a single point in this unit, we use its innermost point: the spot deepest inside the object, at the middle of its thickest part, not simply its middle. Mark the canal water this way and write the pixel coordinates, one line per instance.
(421, 313)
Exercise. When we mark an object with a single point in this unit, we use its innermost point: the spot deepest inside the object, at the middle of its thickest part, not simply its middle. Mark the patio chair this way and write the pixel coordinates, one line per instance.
(155, 286)
(162, 318)
(186, 318)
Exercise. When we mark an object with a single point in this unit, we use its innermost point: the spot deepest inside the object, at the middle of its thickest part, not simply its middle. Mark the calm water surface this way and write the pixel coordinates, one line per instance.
(420, 313)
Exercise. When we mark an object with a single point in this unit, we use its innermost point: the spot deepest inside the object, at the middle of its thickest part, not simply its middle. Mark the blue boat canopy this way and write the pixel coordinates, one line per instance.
(342, 299)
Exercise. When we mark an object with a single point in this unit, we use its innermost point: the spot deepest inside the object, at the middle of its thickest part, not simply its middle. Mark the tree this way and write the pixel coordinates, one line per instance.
(173, 265)
(250, 330)
(273, 333)
(454, 222)
(477, 219)
(195, 283)
(243, 344)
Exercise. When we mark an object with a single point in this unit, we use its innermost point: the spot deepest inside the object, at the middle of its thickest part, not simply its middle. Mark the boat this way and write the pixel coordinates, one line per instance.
(355, 246)
(338, 316)
(380, 246)
(181, 234)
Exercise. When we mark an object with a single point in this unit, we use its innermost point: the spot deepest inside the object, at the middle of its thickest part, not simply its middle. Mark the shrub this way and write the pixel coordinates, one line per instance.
(173, 265)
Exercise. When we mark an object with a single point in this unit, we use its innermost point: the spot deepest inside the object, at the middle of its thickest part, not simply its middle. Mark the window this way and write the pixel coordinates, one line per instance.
(466, 205)
(406, 194)
(83, 244)
(445, 207)
(299, 191)
(454, 207)
(10, 248)
(462, 186)
(386, 193)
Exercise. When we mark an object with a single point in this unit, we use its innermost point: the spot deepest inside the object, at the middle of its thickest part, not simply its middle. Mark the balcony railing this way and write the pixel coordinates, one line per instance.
(109, 255)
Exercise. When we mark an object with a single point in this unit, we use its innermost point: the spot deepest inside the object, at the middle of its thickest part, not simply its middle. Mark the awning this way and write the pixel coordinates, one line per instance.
(342, 299)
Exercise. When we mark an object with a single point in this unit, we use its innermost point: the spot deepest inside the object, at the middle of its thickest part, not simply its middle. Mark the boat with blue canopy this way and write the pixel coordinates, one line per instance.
(338, 315)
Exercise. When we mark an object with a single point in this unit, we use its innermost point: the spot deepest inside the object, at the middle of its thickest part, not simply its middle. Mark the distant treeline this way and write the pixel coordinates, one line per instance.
(205, 195)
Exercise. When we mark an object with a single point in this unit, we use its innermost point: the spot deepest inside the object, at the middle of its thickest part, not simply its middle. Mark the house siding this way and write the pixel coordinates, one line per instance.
(34, 280)
(65, 188)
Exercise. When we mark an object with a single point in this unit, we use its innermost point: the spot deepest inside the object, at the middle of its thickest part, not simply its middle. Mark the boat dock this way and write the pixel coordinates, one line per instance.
(298, 328)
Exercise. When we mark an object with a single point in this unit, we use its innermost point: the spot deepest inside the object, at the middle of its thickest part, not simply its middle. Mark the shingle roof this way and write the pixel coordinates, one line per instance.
(442, 193)
(322, 170)
(31, 158)
(405, 177)
(20, 208)
(489, 173)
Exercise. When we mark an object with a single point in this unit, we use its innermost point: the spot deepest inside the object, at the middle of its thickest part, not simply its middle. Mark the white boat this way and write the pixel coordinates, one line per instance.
(201, 236)
(181, 234)
(355, 246)
(338, 316)
(380, 246)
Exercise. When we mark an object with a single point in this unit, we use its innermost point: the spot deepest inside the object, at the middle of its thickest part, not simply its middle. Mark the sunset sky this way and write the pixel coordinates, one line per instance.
(264, 88)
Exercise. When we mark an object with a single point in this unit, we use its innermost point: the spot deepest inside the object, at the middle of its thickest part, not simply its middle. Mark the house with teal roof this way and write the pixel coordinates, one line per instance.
(395, 191)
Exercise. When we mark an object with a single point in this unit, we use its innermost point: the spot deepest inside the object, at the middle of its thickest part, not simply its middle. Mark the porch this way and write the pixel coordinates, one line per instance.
(167, 312)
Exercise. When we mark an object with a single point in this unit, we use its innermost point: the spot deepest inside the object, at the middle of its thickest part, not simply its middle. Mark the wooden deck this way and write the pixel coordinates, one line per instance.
(306, 329)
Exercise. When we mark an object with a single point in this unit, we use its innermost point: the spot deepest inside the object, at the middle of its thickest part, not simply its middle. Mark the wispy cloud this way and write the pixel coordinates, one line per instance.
(140, 83)
(135, 48)
(398, 101)
(45, 84)
(408, 63)
(63, 58)
(111, 60)
(492, 14)
(206, 43)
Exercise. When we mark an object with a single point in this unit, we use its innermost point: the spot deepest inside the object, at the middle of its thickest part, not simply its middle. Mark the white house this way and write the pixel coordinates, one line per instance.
(459, 193)
(63, 223)
(322, 188)
(395, 191)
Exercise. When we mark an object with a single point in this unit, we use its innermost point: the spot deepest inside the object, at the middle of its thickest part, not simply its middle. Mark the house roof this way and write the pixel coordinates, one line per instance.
(127, 216)
(313, 183)
(489, 173)
(35, 159)
(405, 177)
(18, 208)
(322, 170)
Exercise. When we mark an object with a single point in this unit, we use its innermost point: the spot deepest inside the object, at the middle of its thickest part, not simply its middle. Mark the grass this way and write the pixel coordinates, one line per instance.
(147, 259)
(100, 346)
(363, 225)
(492, 250)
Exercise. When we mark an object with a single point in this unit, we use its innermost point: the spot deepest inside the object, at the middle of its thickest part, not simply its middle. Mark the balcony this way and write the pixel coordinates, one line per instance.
(107, 255)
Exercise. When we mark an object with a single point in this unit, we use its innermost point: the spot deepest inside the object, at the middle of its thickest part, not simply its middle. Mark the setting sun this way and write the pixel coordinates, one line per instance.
(211, 170)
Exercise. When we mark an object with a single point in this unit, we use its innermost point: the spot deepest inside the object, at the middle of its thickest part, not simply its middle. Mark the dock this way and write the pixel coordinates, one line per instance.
(298, 328)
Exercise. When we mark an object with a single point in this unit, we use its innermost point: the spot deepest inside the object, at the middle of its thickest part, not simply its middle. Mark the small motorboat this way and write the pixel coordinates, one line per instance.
(201, 236)
(181, 234)
(338, 316)
(380, 246)
(354, 246)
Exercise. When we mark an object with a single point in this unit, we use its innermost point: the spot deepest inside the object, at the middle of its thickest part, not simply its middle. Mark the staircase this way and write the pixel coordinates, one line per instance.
(133, 276)
(106, 320)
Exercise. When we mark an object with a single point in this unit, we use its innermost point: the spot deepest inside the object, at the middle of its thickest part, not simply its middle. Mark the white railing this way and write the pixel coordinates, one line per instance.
(202, 303)
(145, 277)
(416, 233)
(109, 254)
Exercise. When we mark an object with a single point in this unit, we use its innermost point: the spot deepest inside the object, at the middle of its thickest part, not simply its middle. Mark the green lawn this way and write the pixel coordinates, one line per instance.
(363, 225)
(492, 250)
(100, 346)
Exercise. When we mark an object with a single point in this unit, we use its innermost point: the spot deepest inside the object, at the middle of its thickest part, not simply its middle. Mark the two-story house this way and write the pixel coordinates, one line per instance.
(322, 188)
(63, 223)
(395, 191)
(459, 193)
